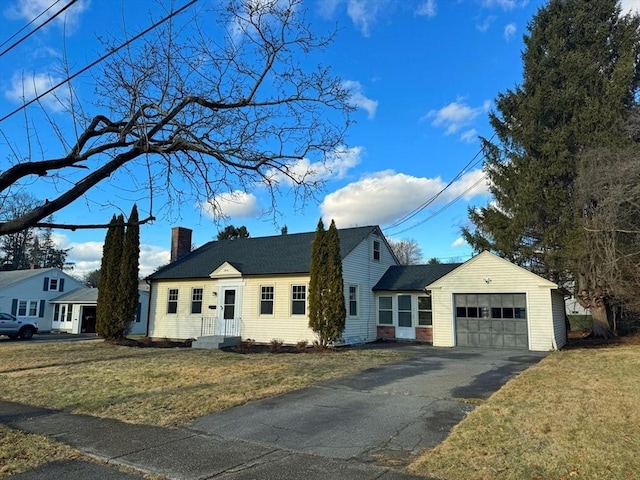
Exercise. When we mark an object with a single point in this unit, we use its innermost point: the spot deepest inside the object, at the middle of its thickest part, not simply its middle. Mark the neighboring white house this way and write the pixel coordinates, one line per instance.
(257, 288)
(75, 312)
(27, 293)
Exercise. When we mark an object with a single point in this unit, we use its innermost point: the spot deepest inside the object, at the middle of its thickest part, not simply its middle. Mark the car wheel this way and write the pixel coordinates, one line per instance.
(26, 333)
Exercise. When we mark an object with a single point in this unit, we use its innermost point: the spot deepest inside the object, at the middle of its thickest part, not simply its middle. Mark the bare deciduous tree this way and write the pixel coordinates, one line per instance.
(203, 112)
(608, 243)
(407, 251)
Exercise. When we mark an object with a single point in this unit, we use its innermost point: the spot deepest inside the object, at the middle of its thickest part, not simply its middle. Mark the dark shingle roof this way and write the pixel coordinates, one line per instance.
(280, 254)
(413, 277)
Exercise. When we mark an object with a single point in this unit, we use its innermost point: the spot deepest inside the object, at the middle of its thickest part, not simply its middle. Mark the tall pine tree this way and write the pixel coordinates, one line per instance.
(108, 295)
(128, 295)
(580, 80)
(327, 309)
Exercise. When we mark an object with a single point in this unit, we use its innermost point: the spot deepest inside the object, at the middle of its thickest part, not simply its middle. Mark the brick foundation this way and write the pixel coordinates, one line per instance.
(385, 332)
(424, 334)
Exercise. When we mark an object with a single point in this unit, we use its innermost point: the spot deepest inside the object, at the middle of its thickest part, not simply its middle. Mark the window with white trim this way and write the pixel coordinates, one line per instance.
(425, 311)
(196, 300)
(172, 300)
(376, 250)
(353, 300)
(53, 284)
(27, 308)
(266, 300)
(298, 299)
(385, 310)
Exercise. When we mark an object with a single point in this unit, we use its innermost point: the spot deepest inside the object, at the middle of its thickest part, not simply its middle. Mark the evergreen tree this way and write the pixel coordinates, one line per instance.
(106, 310)
(580, 80)
(231, 233)
(128, 296)
(327, 309)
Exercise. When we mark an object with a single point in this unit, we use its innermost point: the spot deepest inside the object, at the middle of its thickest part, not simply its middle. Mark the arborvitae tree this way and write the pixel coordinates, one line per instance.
(231, 233)
(108, 295)
(336, 310)
(317, 280)
(128, 295)
(580, 80)
(327, 309)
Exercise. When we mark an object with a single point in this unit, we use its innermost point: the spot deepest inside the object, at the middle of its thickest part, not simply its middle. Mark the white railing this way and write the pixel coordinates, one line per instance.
(220, 327)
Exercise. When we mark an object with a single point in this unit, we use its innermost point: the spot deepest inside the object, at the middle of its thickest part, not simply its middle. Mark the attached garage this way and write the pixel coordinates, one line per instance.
(490, 302)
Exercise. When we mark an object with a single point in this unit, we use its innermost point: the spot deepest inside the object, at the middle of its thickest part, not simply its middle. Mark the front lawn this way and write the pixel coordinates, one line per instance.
(575, 415)
(167, 387)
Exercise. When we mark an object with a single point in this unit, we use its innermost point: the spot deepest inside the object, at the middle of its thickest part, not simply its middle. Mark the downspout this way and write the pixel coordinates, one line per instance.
(148, 306)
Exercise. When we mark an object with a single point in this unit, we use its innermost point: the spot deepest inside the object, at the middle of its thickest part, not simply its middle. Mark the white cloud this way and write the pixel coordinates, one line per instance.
(383, 197)
(458, 242)
(469, 136)
(358, 99)
(630, 5)
(509, 31)
(456, 115)
(486, 23)
(363, 13)
(30, 9)
(26, 87)
(237, 204)
(504, 4)
(428, 8)
(87, 256)
(336, 165)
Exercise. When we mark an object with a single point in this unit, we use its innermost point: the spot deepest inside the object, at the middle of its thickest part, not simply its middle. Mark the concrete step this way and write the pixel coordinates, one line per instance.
(215, 342)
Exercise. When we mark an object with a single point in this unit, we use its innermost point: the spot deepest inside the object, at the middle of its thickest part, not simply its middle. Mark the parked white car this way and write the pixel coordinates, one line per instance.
(14, 328)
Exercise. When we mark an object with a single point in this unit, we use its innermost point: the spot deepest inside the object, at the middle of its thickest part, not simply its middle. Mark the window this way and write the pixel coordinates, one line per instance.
(404, 311)
(266, 300)
(425, 311)
(353, 300)
(298, 299)
(376, 250)
(496, 306)
(196, 300)
(53, 284)
(385, 310)
(69, 312)
(172, 301)
(27, 308)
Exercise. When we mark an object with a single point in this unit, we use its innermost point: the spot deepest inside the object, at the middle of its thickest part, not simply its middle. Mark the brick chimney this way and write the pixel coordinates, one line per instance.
(180, 242)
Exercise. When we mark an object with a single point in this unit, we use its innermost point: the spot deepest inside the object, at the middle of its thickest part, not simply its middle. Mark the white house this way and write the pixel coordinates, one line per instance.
(75, 312)
(27, 293)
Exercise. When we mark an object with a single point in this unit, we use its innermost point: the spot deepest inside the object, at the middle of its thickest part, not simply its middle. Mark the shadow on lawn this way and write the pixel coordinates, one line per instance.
(584, 339)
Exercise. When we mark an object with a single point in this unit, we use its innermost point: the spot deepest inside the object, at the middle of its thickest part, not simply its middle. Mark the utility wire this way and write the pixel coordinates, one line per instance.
(36, 18)
(50, 19)
(101, 59)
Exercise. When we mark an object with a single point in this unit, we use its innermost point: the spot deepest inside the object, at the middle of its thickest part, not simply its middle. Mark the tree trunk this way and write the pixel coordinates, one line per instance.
(601, 328)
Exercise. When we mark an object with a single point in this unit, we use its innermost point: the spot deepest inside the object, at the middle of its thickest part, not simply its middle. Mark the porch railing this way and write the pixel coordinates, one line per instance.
(221, 327)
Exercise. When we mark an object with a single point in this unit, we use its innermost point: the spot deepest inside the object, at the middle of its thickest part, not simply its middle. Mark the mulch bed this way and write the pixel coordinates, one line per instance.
(147, 342)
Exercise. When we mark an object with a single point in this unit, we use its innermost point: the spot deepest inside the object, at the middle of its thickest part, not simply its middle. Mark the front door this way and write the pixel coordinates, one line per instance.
(229, 319)
(406, 328)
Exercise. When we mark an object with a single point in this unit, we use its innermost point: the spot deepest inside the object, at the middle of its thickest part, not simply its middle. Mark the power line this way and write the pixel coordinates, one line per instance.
(50, 19)
(104, 57)
(33, 20)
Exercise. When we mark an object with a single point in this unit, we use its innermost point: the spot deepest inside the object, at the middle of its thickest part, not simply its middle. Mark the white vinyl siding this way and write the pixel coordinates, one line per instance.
(487, 273)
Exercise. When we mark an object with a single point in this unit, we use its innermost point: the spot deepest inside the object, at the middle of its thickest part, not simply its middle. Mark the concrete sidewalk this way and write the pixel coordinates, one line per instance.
(173, 453)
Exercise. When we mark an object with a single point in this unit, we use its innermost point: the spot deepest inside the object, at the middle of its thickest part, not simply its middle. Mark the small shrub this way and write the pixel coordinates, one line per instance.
(302, 345)
(276, 345)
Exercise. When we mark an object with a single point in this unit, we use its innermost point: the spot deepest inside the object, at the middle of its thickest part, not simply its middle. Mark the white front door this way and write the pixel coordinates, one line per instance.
(406, 328)
(228, 323)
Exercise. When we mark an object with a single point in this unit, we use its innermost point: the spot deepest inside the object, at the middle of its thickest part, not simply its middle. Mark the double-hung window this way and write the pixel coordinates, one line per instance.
(385, 310)
(376, 250)
(266, 300)
(27, 308)
(196, 300)
(353, 300)
(425, 311)
(172, 300)
(298, 299)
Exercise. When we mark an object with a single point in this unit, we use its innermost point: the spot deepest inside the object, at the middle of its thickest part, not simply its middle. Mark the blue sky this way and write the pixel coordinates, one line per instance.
(423, 75)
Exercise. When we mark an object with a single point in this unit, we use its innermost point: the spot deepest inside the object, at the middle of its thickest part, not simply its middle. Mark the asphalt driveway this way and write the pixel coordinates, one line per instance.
(383, 415)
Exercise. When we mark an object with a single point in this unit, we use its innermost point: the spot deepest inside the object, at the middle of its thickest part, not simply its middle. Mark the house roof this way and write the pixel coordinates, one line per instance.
(413, 277)
(79, 295)
(279, 254)
(16, 276)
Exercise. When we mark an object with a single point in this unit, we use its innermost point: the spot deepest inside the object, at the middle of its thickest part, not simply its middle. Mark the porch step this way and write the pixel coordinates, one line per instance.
(215, 342)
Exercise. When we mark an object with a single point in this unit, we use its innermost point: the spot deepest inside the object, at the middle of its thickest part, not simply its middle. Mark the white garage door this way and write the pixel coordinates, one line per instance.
(491, 320)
